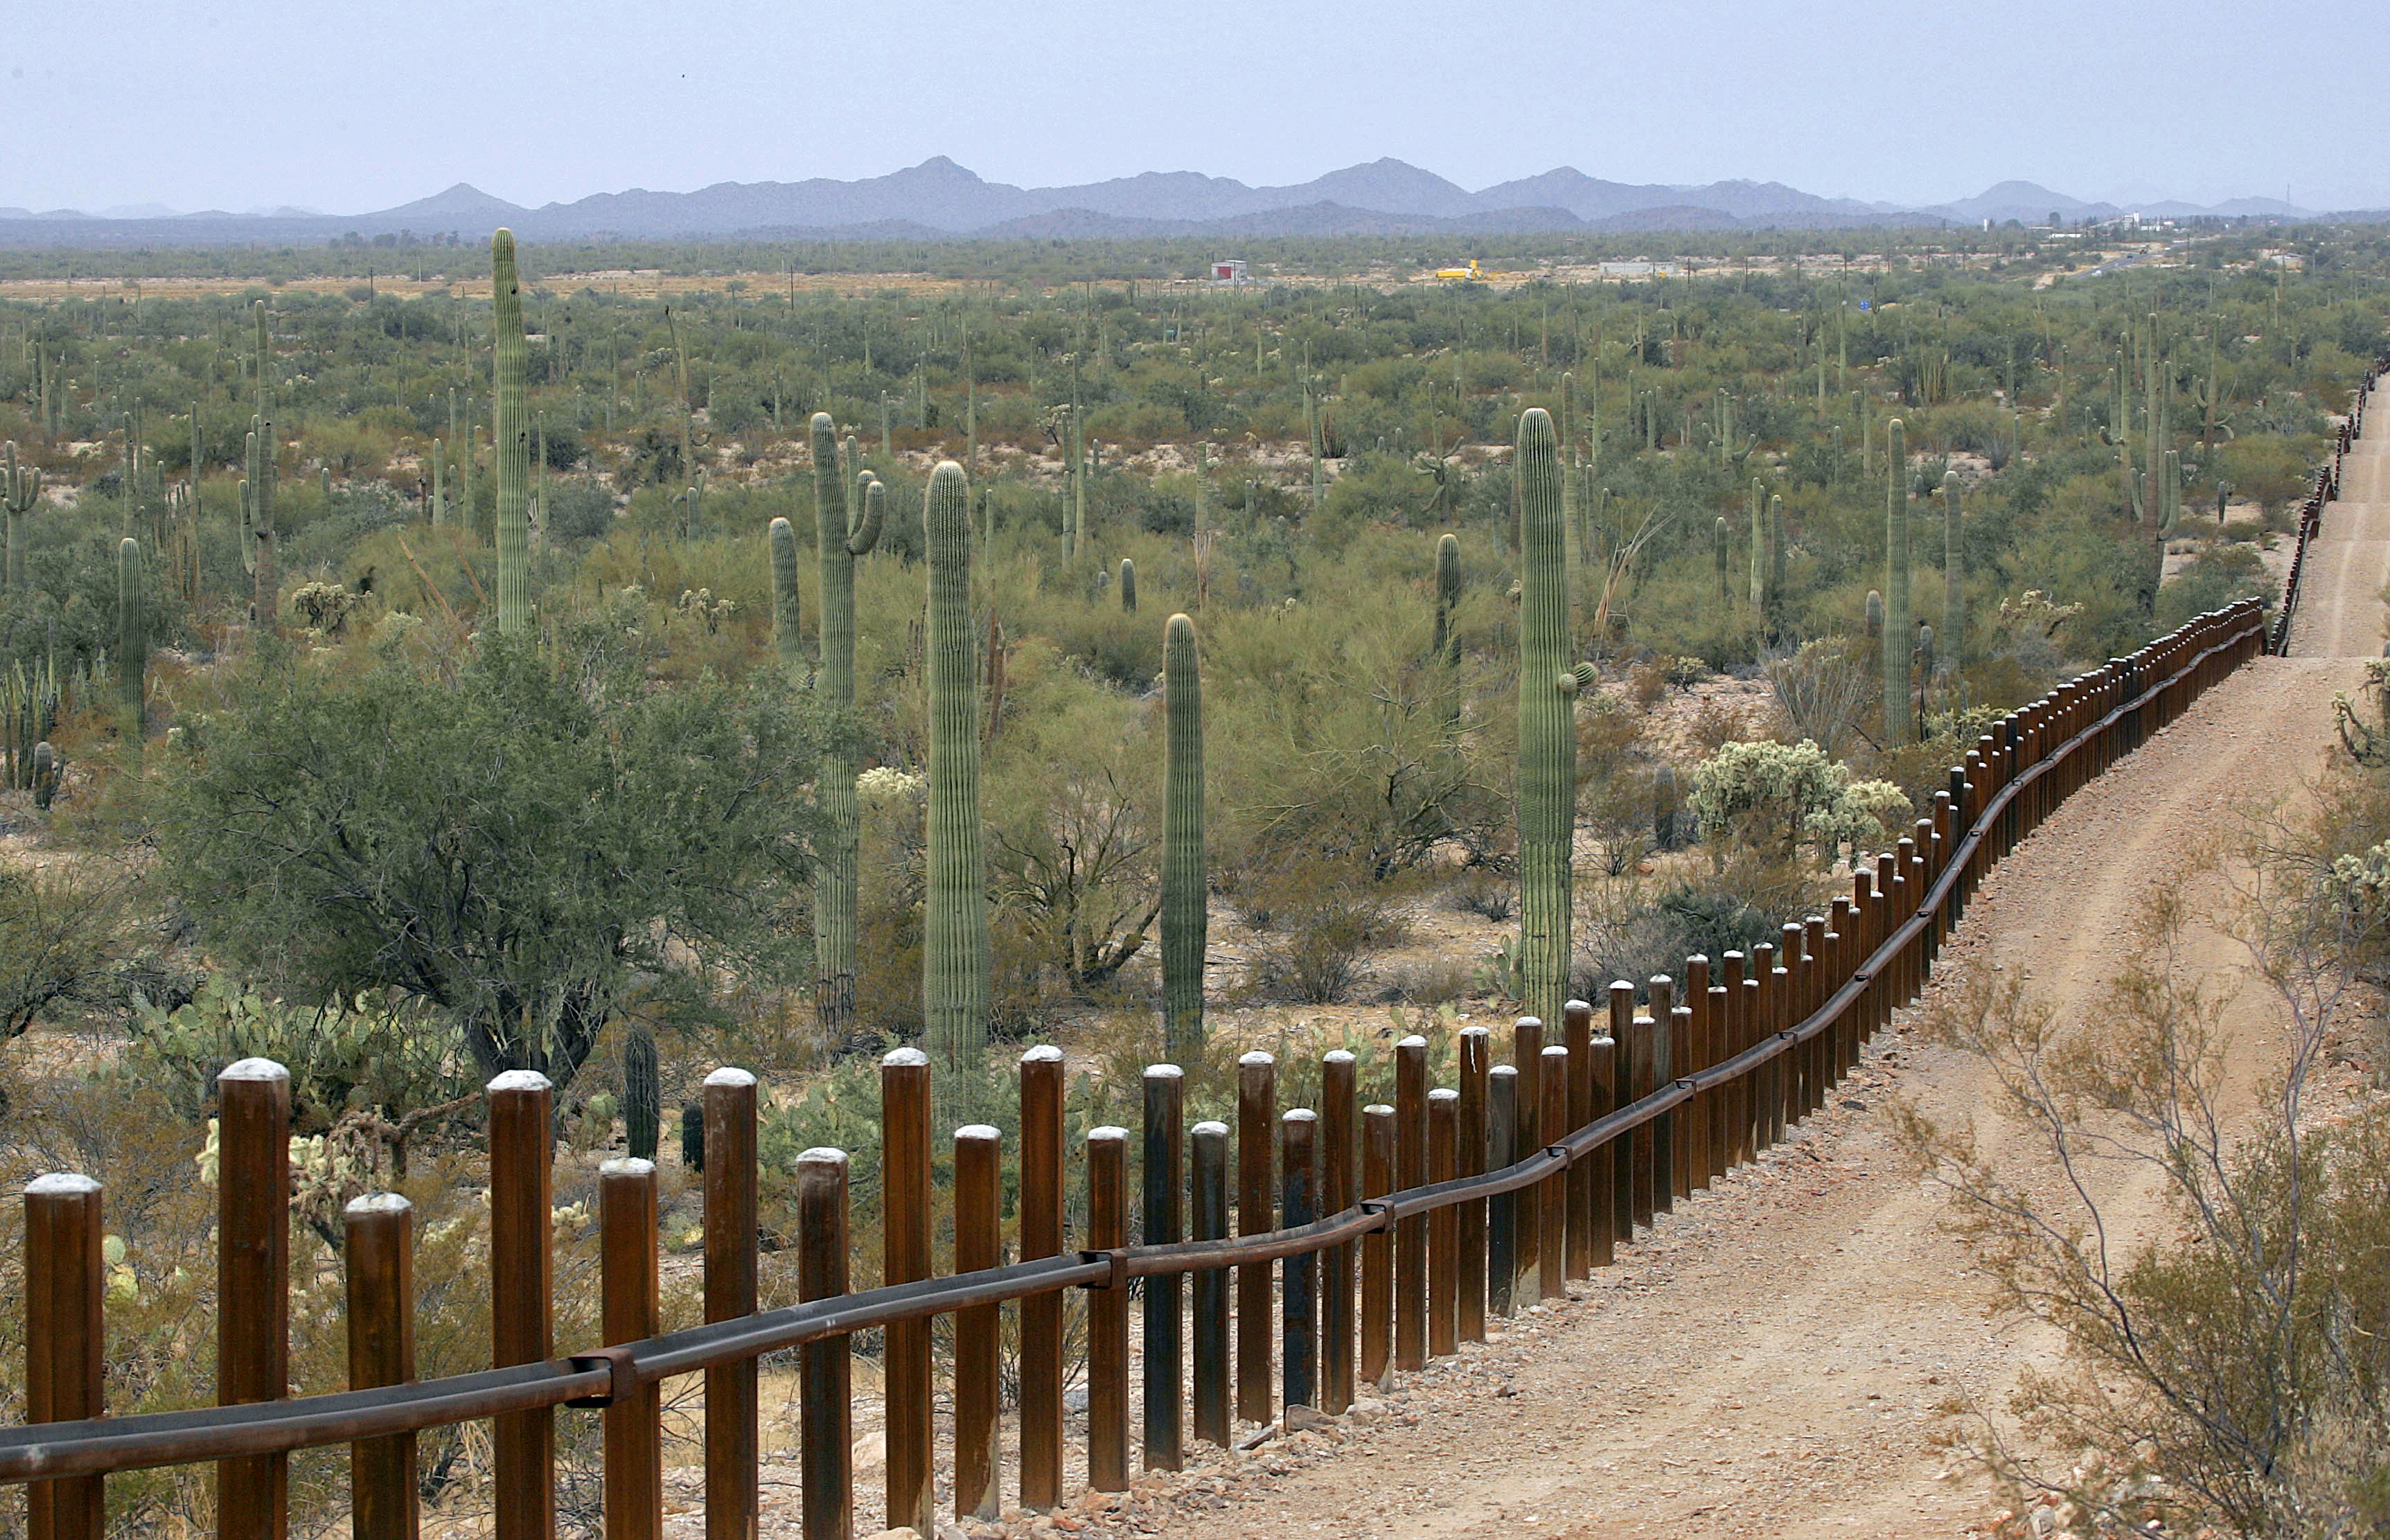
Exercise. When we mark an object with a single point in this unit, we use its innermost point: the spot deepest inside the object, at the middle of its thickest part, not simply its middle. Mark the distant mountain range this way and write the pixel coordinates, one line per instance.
(940, 200)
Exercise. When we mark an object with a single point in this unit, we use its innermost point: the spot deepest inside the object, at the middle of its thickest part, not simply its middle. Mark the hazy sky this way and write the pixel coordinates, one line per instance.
(203, 104)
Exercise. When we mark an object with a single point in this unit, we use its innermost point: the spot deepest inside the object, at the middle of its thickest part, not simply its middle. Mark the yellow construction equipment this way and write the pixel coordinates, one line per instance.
(1471, 274)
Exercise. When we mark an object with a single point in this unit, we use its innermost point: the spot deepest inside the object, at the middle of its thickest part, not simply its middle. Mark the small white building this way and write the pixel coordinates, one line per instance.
(1229, 270)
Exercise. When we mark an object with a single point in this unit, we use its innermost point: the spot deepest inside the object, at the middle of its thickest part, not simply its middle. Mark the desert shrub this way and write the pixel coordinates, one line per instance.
(67, 939)
(1486, 896)
(1326, 919)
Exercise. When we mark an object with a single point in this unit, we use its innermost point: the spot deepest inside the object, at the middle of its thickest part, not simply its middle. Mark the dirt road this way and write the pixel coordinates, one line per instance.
(1769, 1362)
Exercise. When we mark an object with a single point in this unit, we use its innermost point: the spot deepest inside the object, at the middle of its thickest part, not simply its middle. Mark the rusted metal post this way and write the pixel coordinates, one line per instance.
(825, 1371)
(1784, 1096)
(1817, 986)
(1725, 1103)
(1680, 1154)
(629, 1311)
(906, 1203)
(1527, 1137)
(1715, 1041)
(521, 1288)
(1256, 1134)
(1644, 1033)
(1502, 1211)
(1041, 1314)
(979, 1245)
(1377, 1246)
(1299, 1204)
(1208, 1217)
(1552, 1192)
(1699, 1055)
(1620, 1162)
(1165, 1206)
(1410, 1235)
(1476, 1058)
(1891, 897)
(1758, 1020)
(378, 1252)
(1444, 1225)
(253, 1283)
(1660, 990)
(1576, 1035)
(1601, 1225)
(1108, 1313)
(733, 1510)
(1340, 1189)
(65, 1342)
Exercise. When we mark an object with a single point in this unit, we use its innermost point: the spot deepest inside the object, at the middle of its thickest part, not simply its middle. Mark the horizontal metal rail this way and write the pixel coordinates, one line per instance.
(612, 1374)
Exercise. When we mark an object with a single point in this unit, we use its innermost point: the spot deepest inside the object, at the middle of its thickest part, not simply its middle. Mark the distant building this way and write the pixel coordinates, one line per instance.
(1229, 270)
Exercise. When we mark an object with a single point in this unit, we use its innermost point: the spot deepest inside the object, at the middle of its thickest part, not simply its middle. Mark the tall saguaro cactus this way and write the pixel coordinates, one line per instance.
(1954, 575)
(839, 539)
(787, 637)
(1898, 631)
(21, 488)
(132, 642)
(1128, 586)
(955, 954)
(1549, 680)
(1186, 883)
(510, 435)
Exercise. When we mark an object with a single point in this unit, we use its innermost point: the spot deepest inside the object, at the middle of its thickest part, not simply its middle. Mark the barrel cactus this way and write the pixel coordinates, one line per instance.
(955, 959)
(642, 1094)
(1550, 678)
(45, 774)
(1898, 628)
(840, 537)
(786, 638)
(1185, 882)
(1874, 614)
(510, 436)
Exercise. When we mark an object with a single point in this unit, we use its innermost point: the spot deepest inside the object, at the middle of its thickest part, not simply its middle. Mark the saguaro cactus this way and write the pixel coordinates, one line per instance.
(1185, 880)
(1720, 538)
(131, 642)
(1128, 586)
(1549, 680)
(439, 482)
(786, 635)
(1898, 639)
(21, 488)
(1758, 545)
(1780, 558)
(1445, 648)
(954, 952)
(839, 539)
(1954, 576)
(510, 436)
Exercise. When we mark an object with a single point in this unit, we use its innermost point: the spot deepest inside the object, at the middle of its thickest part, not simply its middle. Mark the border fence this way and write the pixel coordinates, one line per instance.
(2327, 487)
(1392, 1234)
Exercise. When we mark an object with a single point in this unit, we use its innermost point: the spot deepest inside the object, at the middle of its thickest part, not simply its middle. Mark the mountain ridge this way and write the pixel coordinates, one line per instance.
(940, 199)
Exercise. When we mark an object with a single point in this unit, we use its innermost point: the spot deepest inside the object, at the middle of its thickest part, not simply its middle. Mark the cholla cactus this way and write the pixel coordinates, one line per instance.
(1777, 795)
